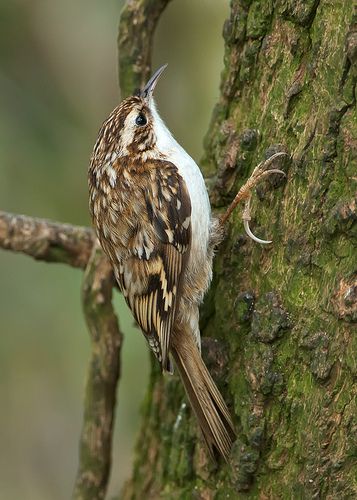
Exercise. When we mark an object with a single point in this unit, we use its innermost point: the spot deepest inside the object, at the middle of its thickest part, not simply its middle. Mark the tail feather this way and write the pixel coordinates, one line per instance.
(211, 411)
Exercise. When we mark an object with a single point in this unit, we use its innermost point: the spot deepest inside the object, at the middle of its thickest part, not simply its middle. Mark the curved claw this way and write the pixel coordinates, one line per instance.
(275, 171)
(252, 236)
(270, 160)
(246, 219)
(259, 173)
(266, 173)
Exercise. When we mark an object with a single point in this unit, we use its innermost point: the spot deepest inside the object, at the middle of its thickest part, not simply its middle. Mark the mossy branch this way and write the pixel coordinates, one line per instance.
(103, 375)
(76, 246)
(138, 22)
(46, 240)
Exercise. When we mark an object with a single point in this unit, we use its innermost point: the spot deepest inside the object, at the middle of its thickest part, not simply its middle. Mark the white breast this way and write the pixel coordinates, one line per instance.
(189, 170)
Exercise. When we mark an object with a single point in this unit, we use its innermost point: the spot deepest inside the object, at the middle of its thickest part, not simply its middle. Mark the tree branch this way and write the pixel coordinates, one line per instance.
(103, 375)
(76, 246)
(137, 26)
(46, 240)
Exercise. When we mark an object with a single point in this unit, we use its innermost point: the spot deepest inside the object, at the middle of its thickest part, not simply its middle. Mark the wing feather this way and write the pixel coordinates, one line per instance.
(151, 277)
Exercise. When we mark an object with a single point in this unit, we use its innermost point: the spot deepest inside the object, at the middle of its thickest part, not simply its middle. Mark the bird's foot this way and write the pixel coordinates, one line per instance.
(260, 172)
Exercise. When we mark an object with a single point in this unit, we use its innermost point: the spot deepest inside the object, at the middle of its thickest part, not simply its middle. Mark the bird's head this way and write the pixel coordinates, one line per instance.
(133, 126)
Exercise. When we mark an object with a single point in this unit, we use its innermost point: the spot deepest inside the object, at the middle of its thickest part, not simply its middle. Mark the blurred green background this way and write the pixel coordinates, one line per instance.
(58, 82)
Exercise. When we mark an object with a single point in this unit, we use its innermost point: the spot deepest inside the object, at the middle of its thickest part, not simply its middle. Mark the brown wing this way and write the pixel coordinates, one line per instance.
(151, 276)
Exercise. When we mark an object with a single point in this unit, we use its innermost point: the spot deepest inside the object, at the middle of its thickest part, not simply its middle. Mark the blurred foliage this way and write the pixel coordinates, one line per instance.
(57, 84)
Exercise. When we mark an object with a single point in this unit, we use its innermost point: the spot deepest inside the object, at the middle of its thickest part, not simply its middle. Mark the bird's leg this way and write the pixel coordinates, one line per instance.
(260, 172)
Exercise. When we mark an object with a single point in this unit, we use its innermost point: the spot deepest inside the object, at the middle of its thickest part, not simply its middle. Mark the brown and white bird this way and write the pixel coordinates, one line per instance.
(152, 215)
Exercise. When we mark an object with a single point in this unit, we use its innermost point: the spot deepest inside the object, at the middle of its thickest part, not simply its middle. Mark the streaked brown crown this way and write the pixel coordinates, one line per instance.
(121, 133)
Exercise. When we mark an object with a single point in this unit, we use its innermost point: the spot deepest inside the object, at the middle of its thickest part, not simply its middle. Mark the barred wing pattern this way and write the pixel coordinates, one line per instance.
(151, 276)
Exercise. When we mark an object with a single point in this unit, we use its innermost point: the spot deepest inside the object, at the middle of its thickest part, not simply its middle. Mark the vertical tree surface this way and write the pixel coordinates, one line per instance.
(279, 321)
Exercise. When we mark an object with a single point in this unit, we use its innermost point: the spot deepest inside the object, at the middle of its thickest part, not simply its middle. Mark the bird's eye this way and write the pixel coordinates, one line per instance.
(141, 120)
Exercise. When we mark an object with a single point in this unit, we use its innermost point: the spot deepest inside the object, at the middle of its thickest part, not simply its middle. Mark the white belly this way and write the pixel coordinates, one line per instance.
(200, 206)
(189, 170)
(199, 265)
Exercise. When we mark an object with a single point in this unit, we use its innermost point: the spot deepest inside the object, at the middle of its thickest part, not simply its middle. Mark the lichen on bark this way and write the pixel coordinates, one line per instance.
(280, 319)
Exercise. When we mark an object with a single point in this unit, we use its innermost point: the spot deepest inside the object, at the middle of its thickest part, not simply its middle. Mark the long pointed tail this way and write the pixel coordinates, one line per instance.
(211, 411)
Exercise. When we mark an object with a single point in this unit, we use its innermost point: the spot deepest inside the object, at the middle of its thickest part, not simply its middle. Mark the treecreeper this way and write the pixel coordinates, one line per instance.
(152, 216)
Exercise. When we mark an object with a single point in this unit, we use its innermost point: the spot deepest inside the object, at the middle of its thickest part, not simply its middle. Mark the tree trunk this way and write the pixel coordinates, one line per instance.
(278, 321)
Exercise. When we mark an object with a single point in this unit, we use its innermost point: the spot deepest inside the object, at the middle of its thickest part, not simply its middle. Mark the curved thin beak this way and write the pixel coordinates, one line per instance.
(151, 84)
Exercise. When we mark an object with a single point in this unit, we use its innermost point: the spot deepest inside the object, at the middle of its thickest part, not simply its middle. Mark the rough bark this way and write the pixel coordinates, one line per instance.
(46, 240)
(77, 246)
(279, 320)
(103, 375)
